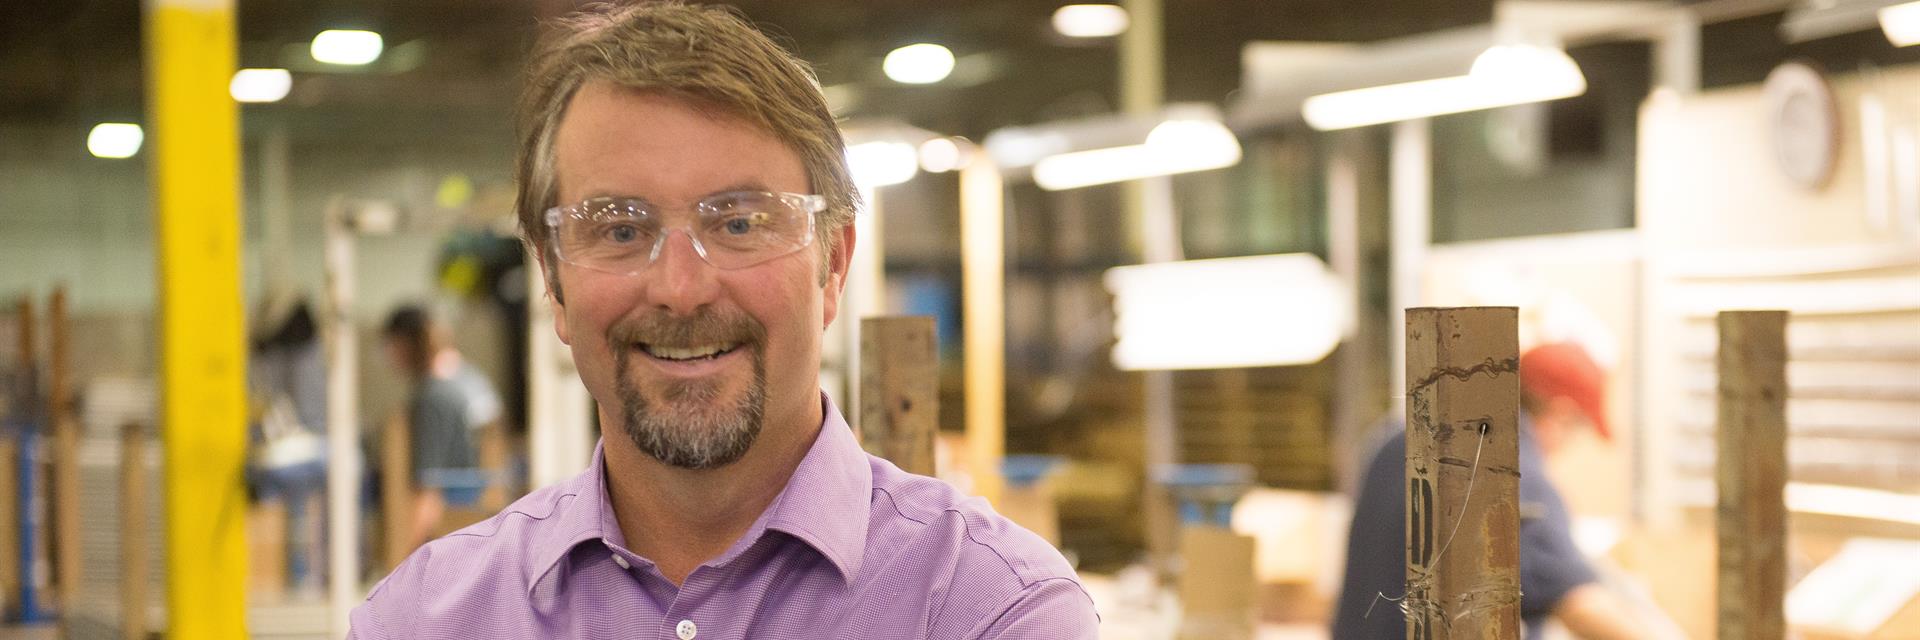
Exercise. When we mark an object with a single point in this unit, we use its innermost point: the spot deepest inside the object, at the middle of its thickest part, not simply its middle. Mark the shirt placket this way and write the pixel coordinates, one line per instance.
(687, 618)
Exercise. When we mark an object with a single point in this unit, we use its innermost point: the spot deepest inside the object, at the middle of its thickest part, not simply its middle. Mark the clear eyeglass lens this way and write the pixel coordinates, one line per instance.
(732, 231)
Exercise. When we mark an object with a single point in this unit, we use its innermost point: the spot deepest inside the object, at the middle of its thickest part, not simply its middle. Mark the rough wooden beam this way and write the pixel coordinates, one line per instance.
(396, 489)
(900, 390)
(66, 460)
(1463, 478)
(1751, 435)
(133, 532)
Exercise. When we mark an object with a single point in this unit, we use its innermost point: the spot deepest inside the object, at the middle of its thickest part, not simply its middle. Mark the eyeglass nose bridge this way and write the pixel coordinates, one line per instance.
(660, 244)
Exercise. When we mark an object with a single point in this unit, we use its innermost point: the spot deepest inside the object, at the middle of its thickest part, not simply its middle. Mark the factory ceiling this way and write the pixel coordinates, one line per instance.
(451, 66)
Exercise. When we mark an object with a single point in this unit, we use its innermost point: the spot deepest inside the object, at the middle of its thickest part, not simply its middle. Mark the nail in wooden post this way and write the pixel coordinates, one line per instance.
(66, 460)
(396, 488)
(1463, 478)
(899, 390)
(1751, 434)
(133, 527)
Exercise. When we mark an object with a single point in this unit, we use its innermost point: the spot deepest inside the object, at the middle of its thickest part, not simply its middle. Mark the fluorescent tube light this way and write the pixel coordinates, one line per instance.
(115, 140)
(1174, 146)
(1503, 75)
(346, 46)
(1231, 312)
(1901, 23)
(260, 85)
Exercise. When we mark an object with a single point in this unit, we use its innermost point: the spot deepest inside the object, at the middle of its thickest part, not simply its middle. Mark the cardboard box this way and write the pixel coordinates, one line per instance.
(1217, 588)
(1032, 506)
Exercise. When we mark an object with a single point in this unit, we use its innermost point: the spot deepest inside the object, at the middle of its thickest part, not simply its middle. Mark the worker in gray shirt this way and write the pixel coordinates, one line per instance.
(450, 402)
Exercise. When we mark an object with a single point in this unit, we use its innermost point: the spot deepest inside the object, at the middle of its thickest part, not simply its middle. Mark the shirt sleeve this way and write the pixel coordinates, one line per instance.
(394, 604)
(1550, 564)
(1051, 609)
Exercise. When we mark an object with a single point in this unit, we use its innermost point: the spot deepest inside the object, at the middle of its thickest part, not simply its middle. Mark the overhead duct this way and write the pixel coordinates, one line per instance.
(1827, 18)
(1277, 77)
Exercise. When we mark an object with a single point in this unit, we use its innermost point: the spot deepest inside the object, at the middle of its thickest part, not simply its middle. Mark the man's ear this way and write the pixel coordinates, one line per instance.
(552, 279)
(835, 281)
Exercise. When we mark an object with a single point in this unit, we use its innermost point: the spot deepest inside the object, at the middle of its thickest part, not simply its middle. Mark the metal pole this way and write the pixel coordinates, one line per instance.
(983, 295)
(190, 51)
(1350, 407)
(1156, 231)
(343, 432)
(1410, 196)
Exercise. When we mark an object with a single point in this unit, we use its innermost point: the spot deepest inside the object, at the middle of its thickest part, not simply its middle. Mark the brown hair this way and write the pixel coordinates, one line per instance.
(707, 54)
(418, 336)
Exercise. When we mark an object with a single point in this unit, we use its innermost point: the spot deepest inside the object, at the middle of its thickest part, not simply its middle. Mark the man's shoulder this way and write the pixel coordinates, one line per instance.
(928, 512)
(991, 577)
(484, 565)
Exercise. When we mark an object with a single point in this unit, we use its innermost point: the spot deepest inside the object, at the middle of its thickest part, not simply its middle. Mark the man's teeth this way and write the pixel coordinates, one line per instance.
(686, 353)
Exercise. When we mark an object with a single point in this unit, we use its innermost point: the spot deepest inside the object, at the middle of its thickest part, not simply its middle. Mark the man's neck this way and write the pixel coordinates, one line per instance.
(682, 518)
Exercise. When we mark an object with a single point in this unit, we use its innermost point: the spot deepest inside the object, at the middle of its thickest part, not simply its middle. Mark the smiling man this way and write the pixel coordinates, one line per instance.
(686, 189)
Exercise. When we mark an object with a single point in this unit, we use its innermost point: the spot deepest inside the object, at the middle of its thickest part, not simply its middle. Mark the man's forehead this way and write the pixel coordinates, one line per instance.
(616, 141)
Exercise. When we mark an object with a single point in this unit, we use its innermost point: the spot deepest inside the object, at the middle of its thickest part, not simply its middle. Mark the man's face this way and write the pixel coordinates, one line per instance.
(694, 358)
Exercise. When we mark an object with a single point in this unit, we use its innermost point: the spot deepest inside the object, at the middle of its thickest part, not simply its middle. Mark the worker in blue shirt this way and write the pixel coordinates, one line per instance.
(1561, 390)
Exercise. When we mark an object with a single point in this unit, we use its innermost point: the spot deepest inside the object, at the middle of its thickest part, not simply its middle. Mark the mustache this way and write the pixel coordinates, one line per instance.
(705, 327)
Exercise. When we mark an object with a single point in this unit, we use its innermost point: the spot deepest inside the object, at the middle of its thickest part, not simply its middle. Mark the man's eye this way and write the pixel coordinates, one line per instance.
(622, 233)
(743, 224)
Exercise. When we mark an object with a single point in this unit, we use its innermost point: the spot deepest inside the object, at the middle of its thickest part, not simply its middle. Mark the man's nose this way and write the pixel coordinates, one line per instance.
(679, 279)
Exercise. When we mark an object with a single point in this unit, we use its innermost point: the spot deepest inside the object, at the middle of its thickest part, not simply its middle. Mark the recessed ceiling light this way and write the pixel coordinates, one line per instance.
(115, 139)
(346, 46)
(1090, 20)
(922, 63)
(260, 85)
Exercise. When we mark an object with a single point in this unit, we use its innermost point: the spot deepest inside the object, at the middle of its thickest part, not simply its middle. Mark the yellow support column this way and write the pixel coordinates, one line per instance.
(196, 181)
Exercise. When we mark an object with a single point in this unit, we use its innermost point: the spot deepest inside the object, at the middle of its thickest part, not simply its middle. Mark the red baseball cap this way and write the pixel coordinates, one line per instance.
(1565, 369)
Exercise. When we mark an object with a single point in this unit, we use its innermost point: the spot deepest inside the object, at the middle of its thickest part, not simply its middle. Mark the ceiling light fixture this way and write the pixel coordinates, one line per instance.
(1901, 23)
(882, 163)
(1090, 20)
(346, 46)
(1503, 75)
(1172, 147)
(922, 63)
(940, 155)
(115, 140)
(1251, 311)
(260, 85)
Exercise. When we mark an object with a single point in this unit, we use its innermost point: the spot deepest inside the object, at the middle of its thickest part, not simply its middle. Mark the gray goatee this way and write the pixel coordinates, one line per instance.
(693, 428)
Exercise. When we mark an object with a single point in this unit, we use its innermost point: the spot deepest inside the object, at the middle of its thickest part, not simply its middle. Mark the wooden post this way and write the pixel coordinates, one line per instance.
(66, 462)
(396, 488)
(14, 509)
(1463, 478)
(133, 527)
(1751, 435)
(900, 390)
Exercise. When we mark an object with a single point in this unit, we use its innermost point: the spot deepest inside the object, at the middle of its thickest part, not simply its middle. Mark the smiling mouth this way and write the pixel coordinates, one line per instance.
(689, 353)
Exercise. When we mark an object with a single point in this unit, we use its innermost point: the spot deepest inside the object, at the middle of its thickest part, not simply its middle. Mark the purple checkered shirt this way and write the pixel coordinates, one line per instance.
(853, 547)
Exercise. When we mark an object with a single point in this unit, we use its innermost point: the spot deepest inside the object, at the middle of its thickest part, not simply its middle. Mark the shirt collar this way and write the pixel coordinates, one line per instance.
(825, 504)
(577, 518)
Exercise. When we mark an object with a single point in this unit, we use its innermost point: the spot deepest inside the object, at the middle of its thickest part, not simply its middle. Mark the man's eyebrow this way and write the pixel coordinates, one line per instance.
(744, 185)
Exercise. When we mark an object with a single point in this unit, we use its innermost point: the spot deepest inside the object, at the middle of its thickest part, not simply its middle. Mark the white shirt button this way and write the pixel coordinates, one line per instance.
(686, 630)
(622, 561)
